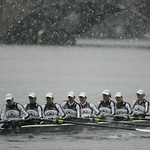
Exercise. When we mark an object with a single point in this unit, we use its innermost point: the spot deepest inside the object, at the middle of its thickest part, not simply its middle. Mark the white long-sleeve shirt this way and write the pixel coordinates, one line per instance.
(13, 112)
(72, 109)
(52, 110)
(35, 110)
(88, 109)
(107, 107)
(140, 106)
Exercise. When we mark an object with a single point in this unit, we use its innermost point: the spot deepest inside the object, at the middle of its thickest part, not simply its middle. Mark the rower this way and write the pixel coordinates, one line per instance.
(13, 110)
(51, 109)
(140, 106)
(122, 108)
(33, 108)
(106, 106)
(87, 109)
(70, 106)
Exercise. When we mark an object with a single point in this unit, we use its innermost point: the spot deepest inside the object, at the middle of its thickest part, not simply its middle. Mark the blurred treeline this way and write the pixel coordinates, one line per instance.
(12, 11)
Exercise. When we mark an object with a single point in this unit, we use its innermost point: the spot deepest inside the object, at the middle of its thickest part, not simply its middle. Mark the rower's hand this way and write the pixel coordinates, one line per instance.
(134, 114)
(112, 115)
(19, 119)
(5, 120)
(69, 116)
(57, 117)
(102, 114)
(92, 116)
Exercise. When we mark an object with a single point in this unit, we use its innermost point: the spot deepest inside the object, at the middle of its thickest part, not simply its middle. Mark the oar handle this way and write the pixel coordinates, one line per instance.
(139, 117)
(3, 121)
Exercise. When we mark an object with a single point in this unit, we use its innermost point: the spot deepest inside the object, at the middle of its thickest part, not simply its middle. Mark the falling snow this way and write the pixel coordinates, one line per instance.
(54, 22)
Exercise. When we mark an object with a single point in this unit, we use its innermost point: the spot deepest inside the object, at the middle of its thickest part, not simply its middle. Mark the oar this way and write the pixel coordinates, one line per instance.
(131, 123)
(93, 119)
(107, 125)
(67, 120)
(143, 130)
(99, 124)
(89, 120)
(16, 123)
(140, 117)
(10, 124)
(2, 121)
(125, 122)
(80, 121)
(52, 120)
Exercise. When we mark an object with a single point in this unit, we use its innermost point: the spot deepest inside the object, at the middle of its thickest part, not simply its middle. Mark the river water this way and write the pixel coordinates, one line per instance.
(90, 66)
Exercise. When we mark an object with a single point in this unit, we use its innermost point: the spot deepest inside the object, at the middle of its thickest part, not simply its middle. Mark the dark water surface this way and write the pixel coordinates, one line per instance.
(92, 69)
(98, 139)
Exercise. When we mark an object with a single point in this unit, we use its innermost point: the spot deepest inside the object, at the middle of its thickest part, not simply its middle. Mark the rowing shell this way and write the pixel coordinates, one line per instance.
(39, 128)
(45, 125)
(67, 126)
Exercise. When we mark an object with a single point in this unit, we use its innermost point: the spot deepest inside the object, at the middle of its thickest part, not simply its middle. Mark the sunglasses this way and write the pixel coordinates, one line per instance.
(81, 97)
(105, 95)
(48, 98)
(70, 97)
(9, 100)
(31, 97)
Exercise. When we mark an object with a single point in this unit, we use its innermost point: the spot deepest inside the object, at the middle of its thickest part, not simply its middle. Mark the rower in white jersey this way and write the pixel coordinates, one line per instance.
(70, 106)
(141, 105)
(87, 109)
(13, 110)
(33, 108)
(122, 108)
(106, 106)
(51, 109)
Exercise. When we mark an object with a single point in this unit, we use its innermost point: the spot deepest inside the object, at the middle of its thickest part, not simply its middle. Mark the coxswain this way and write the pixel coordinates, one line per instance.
(71, 107)
(140, 107)
(33, 108)
(106, 106)
(88, 109)
(51, 109)
(13, 110)
(122, 108)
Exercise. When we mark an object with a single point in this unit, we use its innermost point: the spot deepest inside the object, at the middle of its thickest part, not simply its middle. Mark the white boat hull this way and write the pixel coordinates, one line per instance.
(143, 130)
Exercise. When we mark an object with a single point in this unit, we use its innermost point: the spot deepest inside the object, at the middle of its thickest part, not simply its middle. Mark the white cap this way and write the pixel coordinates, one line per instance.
(71, 94)
(141, 92)
(8, 97)
(32, 94)
(118, 94)
(106, 92)
(50, 95)
(82, 94)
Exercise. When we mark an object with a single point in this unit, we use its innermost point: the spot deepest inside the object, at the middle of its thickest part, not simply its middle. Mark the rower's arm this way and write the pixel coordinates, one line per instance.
(22, 110)
(95, 110)
(133, 104)
(3, 113)
(78, 111)
(43, 113)
(40, 111)
(112, 104)
(61, 112)
(146, 107)
(128, 108)
(97, 105)
(25, 106)
(63, 104)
